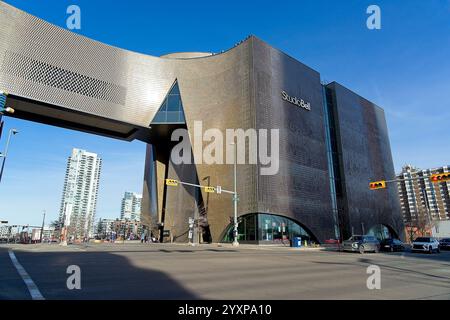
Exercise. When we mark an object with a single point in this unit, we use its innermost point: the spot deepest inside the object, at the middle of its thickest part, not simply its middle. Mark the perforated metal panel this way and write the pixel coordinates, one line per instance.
(45, 63)
(18, 65)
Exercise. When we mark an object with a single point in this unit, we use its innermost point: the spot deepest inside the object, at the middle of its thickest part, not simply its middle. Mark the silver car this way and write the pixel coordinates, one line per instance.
(362, 244)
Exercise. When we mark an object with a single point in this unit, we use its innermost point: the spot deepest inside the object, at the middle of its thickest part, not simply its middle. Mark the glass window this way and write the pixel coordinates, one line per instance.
(246, 229)
(171, 110)
(163, 106)
(160, 117)
(277, 229)
(175, 89)
(266, 228)
(172, 116)
(173, 102)
(182, 118)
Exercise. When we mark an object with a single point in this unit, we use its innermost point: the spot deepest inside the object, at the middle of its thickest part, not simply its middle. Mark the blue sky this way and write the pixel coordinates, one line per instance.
(404, 67)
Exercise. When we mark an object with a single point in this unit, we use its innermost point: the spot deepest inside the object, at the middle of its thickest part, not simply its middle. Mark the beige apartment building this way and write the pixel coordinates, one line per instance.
(422, 201)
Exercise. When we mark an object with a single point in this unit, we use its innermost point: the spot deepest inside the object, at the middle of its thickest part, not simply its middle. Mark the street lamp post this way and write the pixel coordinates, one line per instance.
(42, 229)
(5, 154)
(235, 198)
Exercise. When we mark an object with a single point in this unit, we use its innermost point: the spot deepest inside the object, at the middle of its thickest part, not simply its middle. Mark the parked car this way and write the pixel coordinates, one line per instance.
(425, 244)
(362, 244)
(444, 244)
(392, 245)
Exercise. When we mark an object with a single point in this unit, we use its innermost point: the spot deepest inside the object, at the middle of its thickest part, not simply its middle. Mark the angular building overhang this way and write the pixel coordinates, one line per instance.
(45, 67)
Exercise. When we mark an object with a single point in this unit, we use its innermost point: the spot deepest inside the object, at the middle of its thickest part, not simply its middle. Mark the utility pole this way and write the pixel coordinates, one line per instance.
(42, 229)
(235, 199)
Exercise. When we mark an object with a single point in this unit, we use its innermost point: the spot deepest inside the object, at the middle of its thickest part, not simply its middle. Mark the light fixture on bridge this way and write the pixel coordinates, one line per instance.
(3, 103)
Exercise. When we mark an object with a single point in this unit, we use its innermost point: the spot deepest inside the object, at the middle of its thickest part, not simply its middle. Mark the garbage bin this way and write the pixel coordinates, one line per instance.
(296, 242)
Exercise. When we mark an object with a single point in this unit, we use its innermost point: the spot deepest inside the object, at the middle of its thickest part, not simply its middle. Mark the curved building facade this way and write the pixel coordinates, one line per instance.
(332, 142)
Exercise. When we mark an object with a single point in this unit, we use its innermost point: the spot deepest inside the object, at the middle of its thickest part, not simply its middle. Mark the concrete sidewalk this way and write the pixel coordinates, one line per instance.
(274, 247)
(279, 247)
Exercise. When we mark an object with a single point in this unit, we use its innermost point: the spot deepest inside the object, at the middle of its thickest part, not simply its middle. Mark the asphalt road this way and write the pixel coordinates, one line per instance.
(161, 271)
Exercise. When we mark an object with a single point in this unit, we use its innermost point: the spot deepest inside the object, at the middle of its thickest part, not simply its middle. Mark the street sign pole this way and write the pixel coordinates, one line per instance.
(191, 230)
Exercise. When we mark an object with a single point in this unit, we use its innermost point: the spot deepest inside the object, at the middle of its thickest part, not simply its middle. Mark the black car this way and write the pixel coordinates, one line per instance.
(444, 244)
(392, 245)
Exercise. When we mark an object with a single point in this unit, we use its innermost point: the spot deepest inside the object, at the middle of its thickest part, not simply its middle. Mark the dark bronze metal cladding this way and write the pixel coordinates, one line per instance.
(365, 155)
(301, 189)
(57, 77)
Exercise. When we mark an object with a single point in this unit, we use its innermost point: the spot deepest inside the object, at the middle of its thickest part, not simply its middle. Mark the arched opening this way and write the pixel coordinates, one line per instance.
(381, 232)
(262, 228)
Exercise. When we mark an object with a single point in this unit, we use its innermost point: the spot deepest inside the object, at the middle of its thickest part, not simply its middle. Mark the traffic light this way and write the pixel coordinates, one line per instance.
(172, 182)
(377, 185)
(440, 177)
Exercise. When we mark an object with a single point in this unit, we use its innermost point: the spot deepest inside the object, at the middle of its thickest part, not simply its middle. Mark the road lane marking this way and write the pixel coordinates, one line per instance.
(32, 288)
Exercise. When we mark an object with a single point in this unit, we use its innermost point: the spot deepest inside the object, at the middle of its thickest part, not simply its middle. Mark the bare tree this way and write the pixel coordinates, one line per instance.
(411, 231)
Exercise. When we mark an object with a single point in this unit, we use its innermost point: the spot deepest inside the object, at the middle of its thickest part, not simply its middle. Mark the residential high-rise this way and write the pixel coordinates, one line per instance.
(131, 206)
(423, 201)
(79, 198)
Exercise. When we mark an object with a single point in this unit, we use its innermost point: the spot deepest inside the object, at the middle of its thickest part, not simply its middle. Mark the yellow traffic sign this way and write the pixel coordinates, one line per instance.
(172, 182)
(210, 189)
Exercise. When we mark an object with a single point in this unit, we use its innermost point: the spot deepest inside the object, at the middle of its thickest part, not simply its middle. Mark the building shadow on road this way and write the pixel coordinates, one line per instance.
(104, 276)
(403, 270)
(442, 258)
(416, 275)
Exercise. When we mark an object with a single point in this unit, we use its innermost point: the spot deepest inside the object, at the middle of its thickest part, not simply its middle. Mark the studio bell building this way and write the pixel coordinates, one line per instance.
(331, 141)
